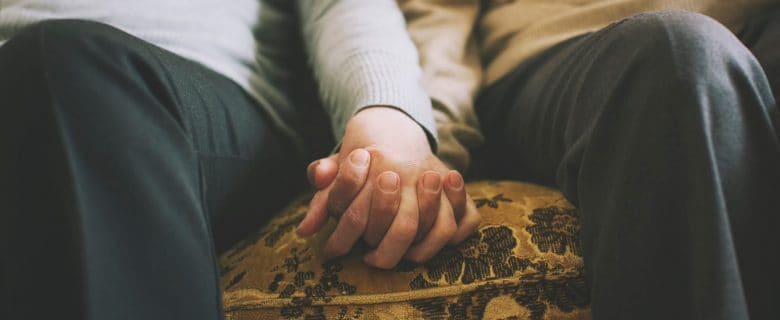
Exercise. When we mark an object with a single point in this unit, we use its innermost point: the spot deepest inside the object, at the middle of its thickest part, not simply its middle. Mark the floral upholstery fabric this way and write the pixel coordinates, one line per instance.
(524, 263)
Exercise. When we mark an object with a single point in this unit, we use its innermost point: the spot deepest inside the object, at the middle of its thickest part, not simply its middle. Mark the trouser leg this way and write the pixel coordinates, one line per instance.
(661, 129)
(116, 155)
(762, 36)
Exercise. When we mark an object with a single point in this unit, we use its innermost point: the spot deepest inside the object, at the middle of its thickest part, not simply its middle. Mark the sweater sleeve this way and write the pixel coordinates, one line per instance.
(443, 31)
(362, 56)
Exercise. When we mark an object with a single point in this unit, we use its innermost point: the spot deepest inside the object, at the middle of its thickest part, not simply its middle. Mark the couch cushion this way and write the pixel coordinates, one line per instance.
(523, 263)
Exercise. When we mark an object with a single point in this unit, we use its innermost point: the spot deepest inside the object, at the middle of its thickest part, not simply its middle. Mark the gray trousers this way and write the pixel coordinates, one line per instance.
(663, 130)
(124, 170)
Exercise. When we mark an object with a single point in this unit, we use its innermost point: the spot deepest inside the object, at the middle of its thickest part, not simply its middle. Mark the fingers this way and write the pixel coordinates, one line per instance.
(442, 232)
(316, 216)
(468, 223)
(429, 200)
(351, 225)
(466, 215)
(384, 205)
(322, 172)
(401, 234)
(456, 193)
(349, 181)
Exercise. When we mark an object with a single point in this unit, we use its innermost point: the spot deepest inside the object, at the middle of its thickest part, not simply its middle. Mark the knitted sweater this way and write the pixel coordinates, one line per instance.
(456, 63)
(359, 50)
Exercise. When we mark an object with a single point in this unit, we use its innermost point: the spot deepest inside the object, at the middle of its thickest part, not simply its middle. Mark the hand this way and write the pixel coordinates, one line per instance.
(322, 172)
(379, 192)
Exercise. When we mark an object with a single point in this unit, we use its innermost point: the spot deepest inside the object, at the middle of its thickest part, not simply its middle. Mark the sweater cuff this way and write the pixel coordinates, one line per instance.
(376, 79)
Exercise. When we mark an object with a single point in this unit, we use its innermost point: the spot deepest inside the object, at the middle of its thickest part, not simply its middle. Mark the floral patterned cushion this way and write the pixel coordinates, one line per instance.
(523, 263)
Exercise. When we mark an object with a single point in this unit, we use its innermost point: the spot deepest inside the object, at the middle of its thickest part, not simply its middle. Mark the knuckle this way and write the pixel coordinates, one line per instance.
(384, 209)
(350, 180)
(407, 227)
(386, 213)
(354, 218)
(335, 206)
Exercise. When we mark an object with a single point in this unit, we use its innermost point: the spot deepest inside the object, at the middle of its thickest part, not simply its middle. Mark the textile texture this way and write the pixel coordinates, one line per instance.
(123, 168)
(662, 130)
(524, 262)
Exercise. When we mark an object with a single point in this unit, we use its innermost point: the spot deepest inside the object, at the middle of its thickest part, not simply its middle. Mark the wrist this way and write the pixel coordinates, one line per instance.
(384, 126)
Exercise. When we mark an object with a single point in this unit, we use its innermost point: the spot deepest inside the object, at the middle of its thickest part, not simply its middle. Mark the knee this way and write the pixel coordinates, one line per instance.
(62, 36)
(72, 66)
(681, 46)
(683, 57)
(54, 54)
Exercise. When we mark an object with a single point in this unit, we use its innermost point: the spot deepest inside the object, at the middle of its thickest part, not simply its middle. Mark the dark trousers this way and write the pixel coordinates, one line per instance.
(122, 167)
(663, 130)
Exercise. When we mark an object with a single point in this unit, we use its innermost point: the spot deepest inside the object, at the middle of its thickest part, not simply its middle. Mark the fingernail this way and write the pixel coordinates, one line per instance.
(311, 171)
(359, 157)
(431, 181)
(456, 181)
(388, 182)
(314, 164)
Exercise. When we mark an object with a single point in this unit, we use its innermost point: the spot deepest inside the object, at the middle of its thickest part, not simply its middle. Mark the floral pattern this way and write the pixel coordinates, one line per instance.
(492, 202)
(469, 305)
(485, 255)
(270, 236)
(302, 282)
(555, 229)
(499, 265)
(566, 294)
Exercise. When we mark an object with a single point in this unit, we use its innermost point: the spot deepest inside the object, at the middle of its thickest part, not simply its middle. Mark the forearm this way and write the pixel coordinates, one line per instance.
(452, 74)
(362, 57)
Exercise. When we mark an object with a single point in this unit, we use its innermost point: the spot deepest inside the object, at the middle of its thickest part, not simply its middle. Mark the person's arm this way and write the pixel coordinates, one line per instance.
(363, 57)
(443, 31)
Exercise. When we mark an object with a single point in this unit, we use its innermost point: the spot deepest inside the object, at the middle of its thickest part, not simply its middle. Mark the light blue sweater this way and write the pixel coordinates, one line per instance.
(359, 49)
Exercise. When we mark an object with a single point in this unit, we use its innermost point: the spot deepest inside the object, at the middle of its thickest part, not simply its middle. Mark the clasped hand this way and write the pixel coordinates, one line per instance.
(387, 187)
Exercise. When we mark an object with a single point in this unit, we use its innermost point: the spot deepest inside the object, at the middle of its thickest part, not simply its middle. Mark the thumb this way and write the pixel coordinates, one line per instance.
(322, 172)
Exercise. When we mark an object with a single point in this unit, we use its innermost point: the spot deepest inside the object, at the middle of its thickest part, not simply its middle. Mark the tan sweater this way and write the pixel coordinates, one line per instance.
(456, 63)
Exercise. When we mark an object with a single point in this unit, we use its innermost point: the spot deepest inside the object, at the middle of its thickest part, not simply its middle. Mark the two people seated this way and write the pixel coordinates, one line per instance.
(139, 139)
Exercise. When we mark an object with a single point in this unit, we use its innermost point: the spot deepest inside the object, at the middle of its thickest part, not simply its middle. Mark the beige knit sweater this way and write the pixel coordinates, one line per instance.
(456, 63)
